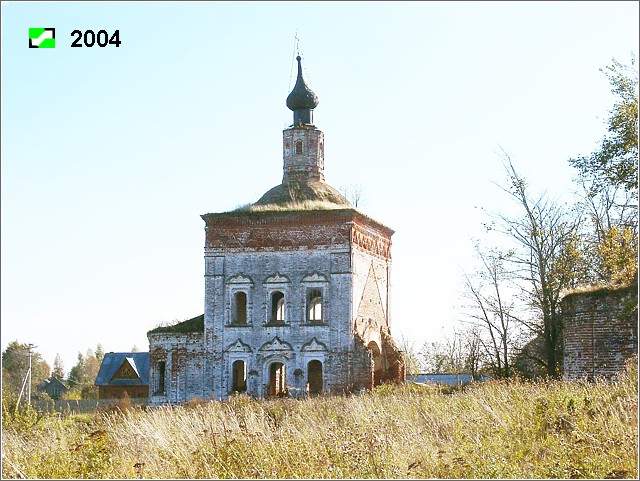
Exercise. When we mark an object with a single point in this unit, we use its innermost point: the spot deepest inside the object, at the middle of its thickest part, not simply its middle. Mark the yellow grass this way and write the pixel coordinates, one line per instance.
(513, 429)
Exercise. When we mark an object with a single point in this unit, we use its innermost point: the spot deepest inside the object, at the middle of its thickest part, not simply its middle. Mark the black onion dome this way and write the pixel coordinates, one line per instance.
(301, 97)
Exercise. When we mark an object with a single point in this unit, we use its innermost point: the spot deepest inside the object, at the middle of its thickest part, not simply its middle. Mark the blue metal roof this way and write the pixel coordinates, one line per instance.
(113, 360)
(445, 379)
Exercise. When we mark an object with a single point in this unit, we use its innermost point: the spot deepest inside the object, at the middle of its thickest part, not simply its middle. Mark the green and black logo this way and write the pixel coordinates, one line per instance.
(42, 38)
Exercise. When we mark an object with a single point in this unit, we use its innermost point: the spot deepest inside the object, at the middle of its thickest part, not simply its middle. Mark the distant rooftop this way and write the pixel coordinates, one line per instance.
(112, 361)
(444, 379)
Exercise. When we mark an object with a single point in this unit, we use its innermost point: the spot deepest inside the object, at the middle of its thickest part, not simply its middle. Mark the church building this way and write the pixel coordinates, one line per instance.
(297, 291)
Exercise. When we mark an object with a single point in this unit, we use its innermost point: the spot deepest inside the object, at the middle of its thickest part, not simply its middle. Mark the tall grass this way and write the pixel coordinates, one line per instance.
(512, 429)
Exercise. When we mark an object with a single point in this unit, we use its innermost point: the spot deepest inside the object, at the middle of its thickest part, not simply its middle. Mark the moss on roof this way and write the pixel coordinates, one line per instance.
(600, 289)
(190, 325)
(293, 195)
(304, 205)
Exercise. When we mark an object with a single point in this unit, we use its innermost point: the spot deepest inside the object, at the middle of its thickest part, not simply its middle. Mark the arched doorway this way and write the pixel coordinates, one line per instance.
(377, 363)
(277, 379)
(314, 377)
(239, 376)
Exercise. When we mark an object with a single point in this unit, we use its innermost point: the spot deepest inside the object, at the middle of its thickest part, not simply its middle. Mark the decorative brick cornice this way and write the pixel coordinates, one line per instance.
(296, 229)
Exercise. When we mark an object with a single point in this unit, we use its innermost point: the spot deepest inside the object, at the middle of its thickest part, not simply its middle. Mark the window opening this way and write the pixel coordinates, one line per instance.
(277, 307)
(298, 146)
(160, 377)
(314, 377)
(314, 305)
(239, 376)
(277, 379)
(240, 308)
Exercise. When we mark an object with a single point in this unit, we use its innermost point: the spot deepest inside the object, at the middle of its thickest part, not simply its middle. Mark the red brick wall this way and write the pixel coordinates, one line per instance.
(600, 332)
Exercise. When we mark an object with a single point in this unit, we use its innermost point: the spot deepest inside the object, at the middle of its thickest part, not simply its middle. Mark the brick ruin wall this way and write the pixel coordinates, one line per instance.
(185, 361)
(600, 332)
(347, 258)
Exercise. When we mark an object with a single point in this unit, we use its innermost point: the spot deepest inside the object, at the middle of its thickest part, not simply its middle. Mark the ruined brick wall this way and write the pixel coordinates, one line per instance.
(259, 255)
(185, 361)
(371, 300)
(293, 252)
(600, 332)
(340, 253)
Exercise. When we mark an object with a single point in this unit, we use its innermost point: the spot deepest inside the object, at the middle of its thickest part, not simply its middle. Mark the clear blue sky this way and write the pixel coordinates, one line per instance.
(110, 155)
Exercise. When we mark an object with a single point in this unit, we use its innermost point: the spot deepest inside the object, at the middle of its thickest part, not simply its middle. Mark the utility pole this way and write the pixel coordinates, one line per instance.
(31, 346)
(27, 379)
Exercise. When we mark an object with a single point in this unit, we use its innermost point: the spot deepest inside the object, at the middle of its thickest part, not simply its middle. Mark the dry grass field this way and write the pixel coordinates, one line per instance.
(497, 429)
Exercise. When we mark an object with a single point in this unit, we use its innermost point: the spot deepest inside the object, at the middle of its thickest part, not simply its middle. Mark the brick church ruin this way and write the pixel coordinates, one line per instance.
(296, 291)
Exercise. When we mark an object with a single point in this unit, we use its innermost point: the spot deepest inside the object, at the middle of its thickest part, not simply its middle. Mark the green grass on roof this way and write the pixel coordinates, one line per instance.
(190, 325)
(305, 205)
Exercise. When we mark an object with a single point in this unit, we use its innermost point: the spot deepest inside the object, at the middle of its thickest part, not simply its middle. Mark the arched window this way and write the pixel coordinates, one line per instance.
(277, 307)
(240, 308)
(239, 383)
(298, 146)
(277, 379)
(314, 377)
(160, 374)
(314, 305)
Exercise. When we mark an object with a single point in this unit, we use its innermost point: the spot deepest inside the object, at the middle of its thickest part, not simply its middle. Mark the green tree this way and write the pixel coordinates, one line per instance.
(15, 364)
(58, 368)
(99, 352)
(83, 375)
(616, 161)
(609, 184)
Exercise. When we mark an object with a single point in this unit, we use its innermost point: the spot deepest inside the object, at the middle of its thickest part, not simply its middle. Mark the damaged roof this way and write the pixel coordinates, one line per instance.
(190, 325)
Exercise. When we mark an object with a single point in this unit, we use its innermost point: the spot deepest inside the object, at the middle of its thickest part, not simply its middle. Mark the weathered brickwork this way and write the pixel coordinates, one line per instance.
(293, 253)
(296, 292)
(183, 355)
(303, 153)
(600, 332)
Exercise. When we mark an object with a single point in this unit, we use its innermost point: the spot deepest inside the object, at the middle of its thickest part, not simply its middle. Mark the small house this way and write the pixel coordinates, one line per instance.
(123, 372)
(54, 387)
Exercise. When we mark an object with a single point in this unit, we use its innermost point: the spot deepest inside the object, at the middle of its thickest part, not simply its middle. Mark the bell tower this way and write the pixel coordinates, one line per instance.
(303, 144)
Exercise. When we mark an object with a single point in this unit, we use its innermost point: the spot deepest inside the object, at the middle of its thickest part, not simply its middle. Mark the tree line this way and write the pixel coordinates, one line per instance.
(510, 322)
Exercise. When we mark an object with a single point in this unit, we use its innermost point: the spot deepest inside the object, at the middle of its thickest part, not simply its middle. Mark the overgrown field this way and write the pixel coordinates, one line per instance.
(492, 430)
